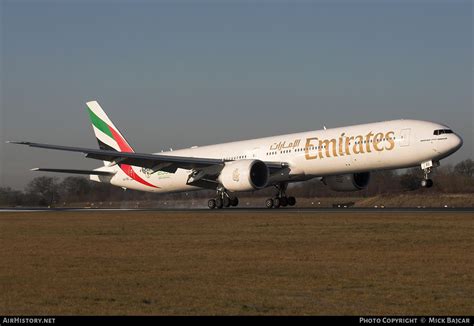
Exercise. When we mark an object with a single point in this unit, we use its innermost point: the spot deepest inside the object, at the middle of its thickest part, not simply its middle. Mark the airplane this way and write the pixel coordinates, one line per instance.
(343, 158)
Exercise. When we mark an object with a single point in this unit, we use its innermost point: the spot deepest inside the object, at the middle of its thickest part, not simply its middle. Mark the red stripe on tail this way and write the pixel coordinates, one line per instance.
(125, 147)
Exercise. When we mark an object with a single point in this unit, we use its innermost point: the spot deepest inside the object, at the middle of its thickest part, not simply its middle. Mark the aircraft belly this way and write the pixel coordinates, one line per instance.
(400, 158)
(158, 182)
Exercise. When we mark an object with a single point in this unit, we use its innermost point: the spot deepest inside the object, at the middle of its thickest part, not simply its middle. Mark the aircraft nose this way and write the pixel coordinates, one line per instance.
(457, 142)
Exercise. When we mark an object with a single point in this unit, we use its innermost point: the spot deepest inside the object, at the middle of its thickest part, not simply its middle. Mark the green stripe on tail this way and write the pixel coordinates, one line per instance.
(99, 124)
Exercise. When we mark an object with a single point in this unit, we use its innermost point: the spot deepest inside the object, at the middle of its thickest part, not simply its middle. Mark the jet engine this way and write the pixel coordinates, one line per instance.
(348, 182)
(244, 175)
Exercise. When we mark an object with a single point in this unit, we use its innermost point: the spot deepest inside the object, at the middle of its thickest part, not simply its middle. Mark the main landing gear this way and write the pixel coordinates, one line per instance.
(280, 200)
(222, 200)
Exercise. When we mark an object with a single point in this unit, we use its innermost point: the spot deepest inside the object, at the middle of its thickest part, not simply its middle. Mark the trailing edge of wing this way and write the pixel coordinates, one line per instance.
(71, 171)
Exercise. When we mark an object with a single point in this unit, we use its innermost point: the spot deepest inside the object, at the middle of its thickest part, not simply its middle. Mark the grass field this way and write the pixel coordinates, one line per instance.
(231, 262)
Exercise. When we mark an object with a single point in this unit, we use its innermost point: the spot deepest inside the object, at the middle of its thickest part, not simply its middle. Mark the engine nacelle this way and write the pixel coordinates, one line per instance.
(348, 182)
(244, 175)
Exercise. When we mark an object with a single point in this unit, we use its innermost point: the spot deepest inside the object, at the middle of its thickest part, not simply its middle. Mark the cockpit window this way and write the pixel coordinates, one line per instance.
(442, 131)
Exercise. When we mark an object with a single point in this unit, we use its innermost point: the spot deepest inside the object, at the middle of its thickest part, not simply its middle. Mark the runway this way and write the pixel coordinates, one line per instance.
(245, 209)
(250, 210)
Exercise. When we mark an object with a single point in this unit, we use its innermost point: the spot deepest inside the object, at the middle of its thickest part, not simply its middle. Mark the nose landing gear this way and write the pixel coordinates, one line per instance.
(427, 168)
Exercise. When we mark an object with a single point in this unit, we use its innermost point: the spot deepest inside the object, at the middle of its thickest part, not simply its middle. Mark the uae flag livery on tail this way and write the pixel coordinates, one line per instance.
(109, 138)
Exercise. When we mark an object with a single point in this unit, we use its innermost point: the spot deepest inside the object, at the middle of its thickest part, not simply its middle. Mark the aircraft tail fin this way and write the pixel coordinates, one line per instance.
(108, 136)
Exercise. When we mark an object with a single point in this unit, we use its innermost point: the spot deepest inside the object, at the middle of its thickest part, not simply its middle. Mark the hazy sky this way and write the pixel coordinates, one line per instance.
(183, 73)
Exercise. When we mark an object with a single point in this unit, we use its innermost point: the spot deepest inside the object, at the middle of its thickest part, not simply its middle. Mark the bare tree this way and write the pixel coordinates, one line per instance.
(411, 180)
(46, 191)
(43, 191)
(465, 168)
(10, 197)
(74, 189)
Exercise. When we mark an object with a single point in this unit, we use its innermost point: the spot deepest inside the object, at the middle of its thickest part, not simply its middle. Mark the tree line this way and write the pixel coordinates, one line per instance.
(51, 191)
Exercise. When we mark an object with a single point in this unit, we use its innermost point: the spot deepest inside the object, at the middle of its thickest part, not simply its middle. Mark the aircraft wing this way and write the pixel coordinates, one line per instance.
(157, 162)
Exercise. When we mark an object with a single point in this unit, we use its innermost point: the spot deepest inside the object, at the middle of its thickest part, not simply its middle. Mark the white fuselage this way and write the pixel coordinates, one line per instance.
(360, 148)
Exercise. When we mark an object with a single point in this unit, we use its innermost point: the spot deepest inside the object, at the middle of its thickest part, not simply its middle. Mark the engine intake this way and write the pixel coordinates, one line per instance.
(244, 175)
(348, 182)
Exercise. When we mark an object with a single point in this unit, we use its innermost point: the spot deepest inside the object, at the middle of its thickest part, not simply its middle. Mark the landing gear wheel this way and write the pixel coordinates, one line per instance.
(427, 183)
(234, 201)
(226, 201)
(276, 202)
(291, 201)
(269, 203)
(281, 199)
(211, 203)
(219, 203)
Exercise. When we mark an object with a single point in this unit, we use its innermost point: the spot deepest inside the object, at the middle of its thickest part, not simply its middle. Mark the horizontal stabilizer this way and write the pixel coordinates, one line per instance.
(88, 172)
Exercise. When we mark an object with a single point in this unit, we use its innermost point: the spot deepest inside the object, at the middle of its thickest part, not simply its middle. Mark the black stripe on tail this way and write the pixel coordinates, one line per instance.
(103, 146)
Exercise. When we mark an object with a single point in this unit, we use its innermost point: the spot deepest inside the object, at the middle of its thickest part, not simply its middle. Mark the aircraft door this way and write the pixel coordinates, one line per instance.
(405, 137)
(253, 153)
